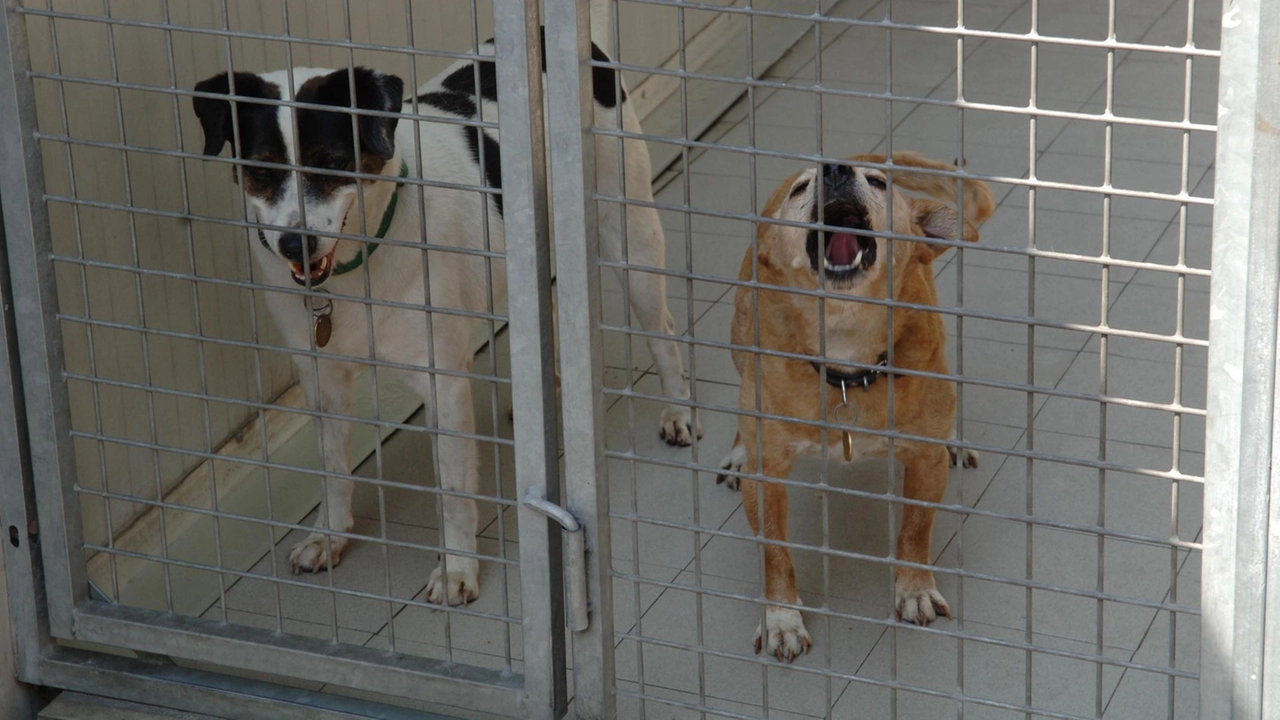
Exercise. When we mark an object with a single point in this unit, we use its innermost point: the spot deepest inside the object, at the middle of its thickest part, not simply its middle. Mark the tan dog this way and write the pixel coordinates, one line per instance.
(857, 332)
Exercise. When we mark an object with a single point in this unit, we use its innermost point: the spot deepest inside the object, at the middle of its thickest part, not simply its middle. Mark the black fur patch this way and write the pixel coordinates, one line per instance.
(325, 137)
(259, 128)
(450, 102)
(492, 160)
(602, 79)
(463, 80)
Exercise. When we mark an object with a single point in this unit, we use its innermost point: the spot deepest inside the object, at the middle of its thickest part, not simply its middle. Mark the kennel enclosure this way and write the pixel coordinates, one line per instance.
(1109, 557)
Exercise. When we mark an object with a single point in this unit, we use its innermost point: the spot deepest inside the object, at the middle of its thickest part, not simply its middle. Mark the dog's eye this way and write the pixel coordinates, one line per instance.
(876, 181)
(800, 188)
(256, 173)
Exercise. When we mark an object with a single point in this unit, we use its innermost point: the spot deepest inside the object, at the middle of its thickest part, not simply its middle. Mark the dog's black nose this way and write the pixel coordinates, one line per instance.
(836, 177)
(292, 249)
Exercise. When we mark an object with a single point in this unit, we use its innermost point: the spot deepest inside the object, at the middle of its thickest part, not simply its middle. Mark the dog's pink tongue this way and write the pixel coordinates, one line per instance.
(842, 248)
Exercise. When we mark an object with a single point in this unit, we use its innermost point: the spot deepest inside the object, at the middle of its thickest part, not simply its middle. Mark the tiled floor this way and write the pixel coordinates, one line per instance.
(995, 610)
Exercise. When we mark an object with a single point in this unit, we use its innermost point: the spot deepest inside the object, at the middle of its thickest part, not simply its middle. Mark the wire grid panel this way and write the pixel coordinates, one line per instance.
(1075, 341)
(212, 424)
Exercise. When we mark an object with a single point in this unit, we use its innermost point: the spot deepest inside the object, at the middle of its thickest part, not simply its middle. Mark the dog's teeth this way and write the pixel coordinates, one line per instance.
(857, 260)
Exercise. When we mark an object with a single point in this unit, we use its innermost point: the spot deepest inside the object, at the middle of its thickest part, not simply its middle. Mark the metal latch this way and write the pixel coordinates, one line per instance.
(575, 560)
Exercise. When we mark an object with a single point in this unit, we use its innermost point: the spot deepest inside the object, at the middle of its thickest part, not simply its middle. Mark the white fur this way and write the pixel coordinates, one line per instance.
(786, 637)
(457, 281)
(916, 598)
(320, 215)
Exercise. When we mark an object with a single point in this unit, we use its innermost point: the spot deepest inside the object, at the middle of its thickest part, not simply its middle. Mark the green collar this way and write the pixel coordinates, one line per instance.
(387, 216)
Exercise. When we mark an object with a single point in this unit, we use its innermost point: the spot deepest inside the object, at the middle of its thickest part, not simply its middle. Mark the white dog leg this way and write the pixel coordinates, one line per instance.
(319, 551)
(966, 457)
(645, 247)
(648, 297)
(648, 301)
(456, 580)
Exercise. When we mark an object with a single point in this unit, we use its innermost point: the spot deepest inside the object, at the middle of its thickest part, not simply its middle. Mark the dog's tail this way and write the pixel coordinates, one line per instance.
(978, 201)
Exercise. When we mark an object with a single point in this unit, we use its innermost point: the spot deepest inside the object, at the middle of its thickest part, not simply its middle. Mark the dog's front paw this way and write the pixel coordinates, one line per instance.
(731, 464)
(917, 599)
(677, 427)
(787, 639)
(460, 587)
(967, 456)
(314, 554)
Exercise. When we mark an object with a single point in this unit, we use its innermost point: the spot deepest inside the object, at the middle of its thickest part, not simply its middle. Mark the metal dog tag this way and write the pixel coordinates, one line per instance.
(322, 322)
(323, 330)
(846, 435)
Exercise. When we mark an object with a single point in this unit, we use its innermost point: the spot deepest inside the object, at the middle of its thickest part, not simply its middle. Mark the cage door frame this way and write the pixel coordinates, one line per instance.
(70, 609)
(571, 117)
(1240, 605)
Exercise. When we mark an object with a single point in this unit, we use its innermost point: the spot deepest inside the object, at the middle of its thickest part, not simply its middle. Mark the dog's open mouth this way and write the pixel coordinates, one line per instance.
(316, 274)
(843, 255)
(847, 253)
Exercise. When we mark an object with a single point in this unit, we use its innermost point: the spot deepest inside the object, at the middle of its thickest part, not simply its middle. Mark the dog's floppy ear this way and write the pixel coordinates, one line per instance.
(374, 91)
(215, 113)
(378, 91)
(939, 220)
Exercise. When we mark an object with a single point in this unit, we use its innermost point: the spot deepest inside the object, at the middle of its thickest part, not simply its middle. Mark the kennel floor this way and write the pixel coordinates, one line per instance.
(858, 658)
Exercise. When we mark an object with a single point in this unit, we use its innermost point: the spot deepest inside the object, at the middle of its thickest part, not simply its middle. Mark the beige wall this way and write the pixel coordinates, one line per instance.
(171, 245)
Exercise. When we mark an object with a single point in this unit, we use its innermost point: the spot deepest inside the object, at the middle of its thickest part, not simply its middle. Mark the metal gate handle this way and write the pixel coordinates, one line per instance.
(575, 560)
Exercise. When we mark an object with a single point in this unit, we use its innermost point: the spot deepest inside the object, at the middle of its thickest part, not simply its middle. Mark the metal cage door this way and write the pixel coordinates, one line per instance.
(75, 612)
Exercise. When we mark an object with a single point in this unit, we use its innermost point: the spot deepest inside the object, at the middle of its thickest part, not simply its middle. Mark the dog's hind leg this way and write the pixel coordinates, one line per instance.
(679, 425)
(648, 299)
(456, 580)
(966, 456)
(320, 551)
(732, 464)
(642, 247)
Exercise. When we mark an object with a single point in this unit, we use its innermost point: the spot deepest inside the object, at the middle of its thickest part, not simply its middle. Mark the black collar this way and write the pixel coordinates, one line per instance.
(861, 378)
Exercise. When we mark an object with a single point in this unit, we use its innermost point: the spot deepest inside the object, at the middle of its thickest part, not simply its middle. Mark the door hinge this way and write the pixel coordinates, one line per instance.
(575, 560)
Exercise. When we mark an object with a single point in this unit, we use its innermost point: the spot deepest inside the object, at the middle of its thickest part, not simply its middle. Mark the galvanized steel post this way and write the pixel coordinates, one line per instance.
(571, 115)
(1240, 631)
(29, 247)
(524, 181)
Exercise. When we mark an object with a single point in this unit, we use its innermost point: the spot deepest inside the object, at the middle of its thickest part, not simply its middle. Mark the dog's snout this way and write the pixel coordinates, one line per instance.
(836, 177)
(292, 247)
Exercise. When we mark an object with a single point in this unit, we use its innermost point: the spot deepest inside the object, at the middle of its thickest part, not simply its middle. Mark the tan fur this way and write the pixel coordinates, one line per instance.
(856, 332)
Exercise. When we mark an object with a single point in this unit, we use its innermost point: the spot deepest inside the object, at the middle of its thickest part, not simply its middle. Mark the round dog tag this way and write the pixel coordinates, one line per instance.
(323, 330)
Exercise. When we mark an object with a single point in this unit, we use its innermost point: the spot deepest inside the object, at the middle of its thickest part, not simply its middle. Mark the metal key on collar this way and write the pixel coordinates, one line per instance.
(847, 436)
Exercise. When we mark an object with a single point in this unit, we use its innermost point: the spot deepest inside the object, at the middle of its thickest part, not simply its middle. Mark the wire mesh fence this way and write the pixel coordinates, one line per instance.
(245, 377)
(1073, 331)
(882, 368)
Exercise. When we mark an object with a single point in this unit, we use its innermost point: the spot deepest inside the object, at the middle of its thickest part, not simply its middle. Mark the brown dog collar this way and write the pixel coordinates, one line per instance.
(862, 378)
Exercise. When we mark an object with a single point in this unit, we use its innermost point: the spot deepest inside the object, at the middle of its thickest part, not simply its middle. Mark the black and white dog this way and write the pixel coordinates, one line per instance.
(307, 203)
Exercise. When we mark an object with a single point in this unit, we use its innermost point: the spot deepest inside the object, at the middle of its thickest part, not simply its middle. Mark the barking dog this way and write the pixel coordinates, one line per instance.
(850, 264)
(302, 206)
